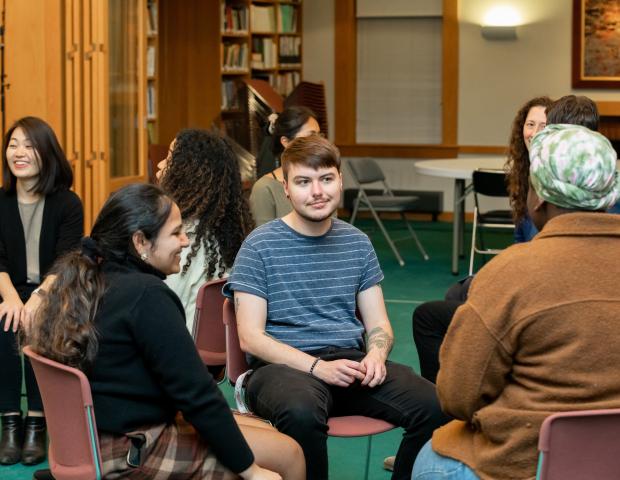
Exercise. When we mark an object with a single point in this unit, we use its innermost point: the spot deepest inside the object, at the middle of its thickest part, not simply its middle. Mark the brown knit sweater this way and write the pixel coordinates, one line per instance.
(540, 333)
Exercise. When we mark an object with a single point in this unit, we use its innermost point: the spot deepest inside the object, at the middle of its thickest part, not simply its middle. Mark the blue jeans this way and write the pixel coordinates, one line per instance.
(432, 466)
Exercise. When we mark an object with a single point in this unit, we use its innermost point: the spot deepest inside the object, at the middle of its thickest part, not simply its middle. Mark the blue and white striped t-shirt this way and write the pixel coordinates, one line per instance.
(310, 283)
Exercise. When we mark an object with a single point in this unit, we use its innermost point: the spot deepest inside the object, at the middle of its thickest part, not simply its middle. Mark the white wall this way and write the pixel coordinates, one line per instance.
(495, 77)
(318, 50)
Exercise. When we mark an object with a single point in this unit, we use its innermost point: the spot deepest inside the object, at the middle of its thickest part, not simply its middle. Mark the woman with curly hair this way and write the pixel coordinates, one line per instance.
(530, 119)
(201, 174)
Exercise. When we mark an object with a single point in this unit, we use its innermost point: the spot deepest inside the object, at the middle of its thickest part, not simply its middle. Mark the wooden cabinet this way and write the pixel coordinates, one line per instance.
(80, 65)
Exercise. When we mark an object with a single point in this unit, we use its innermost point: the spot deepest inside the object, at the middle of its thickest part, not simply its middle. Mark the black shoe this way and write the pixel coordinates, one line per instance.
(12, 439)
(43, 475)
(34, 448)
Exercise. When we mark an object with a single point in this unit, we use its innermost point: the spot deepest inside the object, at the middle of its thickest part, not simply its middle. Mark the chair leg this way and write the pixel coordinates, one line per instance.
(356, 206)
(473, 243)
(367, 470)
(415, 237)
(401, 262)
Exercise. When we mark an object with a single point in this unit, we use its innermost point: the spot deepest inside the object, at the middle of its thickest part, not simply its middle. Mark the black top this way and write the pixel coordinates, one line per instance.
(62, 227)
(147, 367)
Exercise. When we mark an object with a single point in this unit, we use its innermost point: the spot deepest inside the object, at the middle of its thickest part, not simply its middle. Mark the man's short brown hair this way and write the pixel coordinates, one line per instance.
(312, 151)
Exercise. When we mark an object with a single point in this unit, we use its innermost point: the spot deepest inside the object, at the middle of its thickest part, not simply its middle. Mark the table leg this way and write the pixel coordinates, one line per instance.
(457, 224)
(462, 224)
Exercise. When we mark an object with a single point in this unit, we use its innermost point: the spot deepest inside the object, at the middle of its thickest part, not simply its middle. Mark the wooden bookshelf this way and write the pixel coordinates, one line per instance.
(270, 32)
(152, 70)
(259, 39)
(196, 88)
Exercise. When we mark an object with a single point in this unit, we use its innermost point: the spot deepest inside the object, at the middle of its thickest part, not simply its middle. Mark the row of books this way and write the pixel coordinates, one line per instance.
(151, 110)
(234, 56)
(287, 19)
(151, 17)
(264, 53)
(283, 83)
(290, 51)
(230, 95)
(150, 61)
(234, 18)
(263, 18)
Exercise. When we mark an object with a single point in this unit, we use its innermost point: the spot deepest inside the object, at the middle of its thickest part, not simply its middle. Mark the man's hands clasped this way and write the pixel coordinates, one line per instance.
(369, 372)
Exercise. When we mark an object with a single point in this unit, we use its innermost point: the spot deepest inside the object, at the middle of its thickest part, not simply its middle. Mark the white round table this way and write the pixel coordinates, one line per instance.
(460, 169)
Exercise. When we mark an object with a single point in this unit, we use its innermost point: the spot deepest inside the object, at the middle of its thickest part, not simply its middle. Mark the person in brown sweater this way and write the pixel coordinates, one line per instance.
(539, 332)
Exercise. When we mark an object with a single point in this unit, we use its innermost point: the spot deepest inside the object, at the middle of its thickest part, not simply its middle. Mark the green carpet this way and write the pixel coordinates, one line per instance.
(404, 288)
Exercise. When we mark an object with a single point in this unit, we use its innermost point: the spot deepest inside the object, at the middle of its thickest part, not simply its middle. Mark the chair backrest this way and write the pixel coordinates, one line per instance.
(365, 170)
(491, 183)
(156, 154)
(236, 362)
(580, 444)
(74, 444)
(209, 332)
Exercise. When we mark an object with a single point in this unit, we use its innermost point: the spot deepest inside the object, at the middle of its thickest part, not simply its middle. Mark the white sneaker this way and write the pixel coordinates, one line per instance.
(388, 463)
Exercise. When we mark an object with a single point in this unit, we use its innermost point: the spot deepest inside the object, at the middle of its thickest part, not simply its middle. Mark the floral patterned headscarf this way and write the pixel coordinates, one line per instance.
(574, 167)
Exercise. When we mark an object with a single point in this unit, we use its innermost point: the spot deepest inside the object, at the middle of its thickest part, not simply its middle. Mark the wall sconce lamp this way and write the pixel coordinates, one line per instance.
(500, 23)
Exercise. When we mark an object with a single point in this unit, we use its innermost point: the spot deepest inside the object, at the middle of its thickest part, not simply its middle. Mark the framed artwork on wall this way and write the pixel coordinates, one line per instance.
(596, 44)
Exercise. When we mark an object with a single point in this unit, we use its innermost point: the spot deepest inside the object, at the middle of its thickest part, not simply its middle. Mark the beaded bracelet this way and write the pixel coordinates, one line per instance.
(316, 360)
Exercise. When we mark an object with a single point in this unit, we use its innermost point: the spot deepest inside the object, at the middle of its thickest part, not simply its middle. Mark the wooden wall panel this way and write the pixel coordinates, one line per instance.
(450, 73)
(189, 65)
(345, 57)
(33, 62)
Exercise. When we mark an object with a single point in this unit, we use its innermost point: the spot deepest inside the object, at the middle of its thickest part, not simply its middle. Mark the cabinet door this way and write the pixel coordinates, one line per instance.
(127, 81)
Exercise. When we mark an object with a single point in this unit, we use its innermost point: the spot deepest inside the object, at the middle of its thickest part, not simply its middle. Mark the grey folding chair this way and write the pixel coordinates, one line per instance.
(490, 183)
(365, 171)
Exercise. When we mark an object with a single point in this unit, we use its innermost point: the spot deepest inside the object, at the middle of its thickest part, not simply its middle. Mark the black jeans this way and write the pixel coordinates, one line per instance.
(299, 405)
(430, 323)
(11, 375)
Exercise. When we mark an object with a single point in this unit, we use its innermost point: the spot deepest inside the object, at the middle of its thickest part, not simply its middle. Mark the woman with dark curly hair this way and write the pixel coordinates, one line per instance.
(201, 173)
(530, 119)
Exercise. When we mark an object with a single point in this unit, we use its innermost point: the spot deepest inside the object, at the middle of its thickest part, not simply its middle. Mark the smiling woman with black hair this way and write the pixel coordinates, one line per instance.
(41, 220)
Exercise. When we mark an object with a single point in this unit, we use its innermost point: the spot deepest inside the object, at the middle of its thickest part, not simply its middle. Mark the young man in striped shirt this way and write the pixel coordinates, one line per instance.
(297, 282)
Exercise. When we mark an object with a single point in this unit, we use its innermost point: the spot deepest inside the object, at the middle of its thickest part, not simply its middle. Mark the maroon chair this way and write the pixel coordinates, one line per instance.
(73, 451)
(580, 445)
(345, 426)
(208, 331)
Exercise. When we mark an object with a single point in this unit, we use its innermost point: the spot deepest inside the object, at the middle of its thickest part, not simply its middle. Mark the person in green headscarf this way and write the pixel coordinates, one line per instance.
(571, 168)
(540, 331)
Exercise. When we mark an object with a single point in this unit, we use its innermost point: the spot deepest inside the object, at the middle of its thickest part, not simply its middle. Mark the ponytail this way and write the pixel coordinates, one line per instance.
(64, 328)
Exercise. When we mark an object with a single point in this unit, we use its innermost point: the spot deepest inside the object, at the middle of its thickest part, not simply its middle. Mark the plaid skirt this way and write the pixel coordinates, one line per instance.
(173, 452)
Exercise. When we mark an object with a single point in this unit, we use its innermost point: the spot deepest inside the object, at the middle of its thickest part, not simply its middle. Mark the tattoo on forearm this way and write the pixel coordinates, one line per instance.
(380, 339)
(272, 337)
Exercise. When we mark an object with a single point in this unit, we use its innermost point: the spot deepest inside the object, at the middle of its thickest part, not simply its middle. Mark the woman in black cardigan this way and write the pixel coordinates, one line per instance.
(41, 219)
(110, 314)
